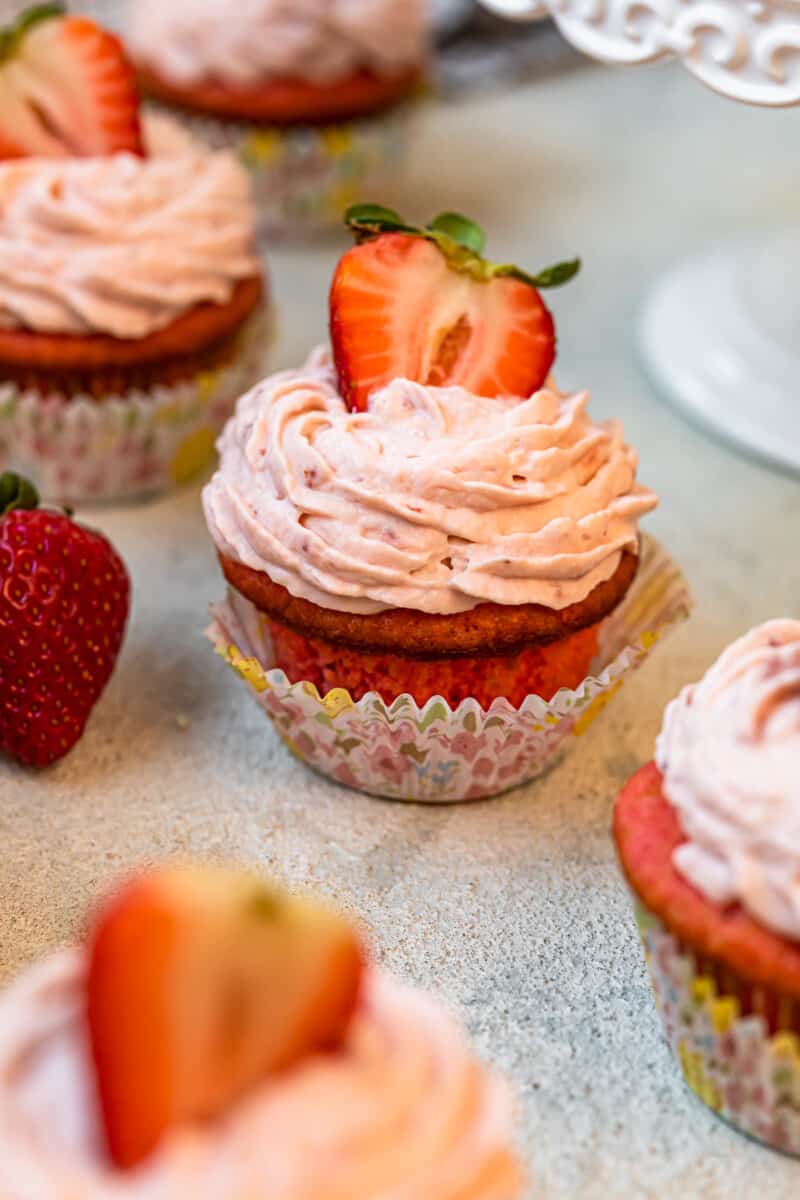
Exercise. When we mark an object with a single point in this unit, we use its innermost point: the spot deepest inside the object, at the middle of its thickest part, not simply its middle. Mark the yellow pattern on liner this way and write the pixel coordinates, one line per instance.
(207, 383)
(786, 1045)
(290, 746)
(593, 710)
(262, 146)
(725, 1012)
(338, 140)
(702, 989)
(168, 414)
(192, 455)
(250, 669)
(337, 700)
(692, 1067)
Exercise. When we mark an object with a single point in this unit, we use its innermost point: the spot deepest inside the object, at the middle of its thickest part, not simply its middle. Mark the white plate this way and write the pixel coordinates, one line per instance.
(720, 337)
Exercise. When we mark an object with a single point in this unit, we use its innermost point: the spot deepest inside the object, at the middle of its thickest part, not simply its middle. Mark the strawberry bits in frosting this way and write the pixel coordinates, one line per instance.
(121, 245)
(433, 499)
(729, 754)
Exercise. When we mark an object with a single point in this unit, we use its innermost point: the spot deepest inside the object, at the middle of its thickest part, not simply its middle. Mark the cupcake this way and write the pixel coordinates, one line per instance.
(215, 1038)
(312, 94)
(131, 293)
(709, 840)
(421, 513)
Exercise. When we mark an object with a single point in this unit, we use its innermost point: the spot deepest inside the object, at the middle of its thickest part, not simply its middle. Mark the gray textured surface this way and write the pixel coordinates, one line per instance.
(512, 908)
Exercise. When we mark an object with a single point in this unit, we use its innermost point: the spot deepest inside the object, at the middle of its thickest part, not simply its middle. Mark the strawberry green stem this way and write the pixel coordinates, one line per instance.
(16, 492)
(12, 35)
(459, 239)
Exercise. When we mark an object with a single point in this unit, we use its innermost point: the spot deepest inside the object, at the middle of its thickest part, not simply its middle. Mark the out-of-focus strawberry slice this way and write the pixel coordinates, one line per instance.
(399, 310)
(202, 982)
(66, 89)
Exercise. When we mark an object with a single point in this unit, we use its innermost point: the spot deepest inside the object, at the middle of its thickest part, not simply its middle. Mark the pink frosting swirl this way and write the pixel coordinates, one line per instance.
(318, 41)
(434, 499)
(122, 245)
(402, 1111)
(729, 752)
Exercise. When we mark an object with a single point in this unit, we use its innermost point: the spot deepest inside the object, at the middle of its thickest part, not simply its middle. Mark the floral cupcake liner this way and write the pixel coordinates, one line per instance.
(305, 177)
(745, 1071)
(435, 753)
(78, 449)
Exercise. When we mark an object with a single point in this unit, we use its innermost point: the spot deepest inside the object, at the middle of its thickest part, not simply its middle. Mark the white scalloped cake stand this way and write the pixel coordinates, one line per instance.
(721, 332)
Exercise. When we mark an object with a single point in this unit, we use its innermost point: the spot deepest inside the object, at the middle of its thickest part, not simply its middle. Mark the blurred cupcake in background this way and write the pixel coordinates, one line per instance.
(708, 837)
(419, 523)
(131, 293)
(217, 1038)
(313, 95)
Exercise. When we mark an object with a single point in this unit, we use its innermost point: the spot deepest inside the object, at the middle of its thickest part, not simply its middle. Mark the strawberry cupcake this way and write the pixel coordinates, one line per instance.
(709, 840)
(313, 95)
(421, 513)
(215, 1038)
(131, 293)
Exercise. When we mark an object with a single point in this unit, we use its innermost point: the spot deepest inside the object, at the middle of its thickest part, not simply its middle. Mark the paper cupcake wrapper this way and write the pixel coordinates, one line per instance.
(81, 450)
(745, 1072)
(305, 177)
(435, 753)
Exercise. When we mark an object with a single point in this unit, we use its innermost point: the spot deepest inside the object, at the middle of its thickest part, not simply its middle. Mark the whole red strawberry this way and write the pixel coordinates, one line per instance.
(64, 596)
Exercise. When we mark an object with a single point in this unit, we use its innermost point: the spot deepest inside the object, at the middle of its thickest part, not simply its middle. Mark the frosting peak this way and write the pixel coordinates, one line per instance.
(122, 245)
(434, 499)
(402, 1111)
(729, 753)
(318, 41)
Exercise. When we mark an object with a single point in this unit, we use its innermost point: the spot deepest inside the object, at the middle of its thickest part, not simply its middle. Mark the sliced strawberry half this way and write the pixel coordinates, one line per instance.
(201, 983)
(67, 89)
(422, 304)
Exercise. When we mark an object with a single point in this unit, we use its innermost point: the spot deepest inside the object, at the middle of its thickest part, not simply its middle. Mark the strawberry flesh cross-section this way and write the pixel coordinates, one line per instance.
(422, 304)
(67, 89)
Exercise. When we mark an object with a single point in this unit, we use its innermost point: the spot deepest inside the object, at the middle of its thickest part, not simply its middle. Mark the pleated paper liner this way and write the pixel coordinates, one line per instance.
(305, 177)
(434, 753)
(738, 1044)
(81, 450)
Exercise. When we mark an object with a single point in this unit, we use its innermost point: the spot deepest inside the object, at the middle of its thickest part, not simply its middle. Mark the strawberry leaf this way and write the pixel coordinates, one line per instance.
(460, 240)
(16, 492)
(465, 233)
(368, 220)
(12, 35)
(550, 277)
(360, 214)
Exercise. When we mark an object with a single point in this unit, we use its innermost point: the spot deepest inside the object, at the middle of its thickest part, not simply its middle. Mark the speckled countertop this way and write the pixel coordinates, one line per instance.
(513, 908)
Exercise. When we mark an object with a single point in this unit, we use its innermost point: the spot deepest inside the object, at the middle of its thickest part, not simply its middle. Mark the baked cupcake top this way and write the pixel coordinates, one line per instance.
(218, 1037)
(258, 41)
(434, 498)
(122, 245)
(729, 753)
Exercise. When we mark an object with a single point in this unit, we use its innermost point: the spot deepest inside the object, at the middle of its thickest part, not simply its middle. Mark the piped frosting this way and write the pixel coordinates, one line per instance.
(403, 1110)
(434, 499)
(316, 41)
(122, 246)
(729, 752)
